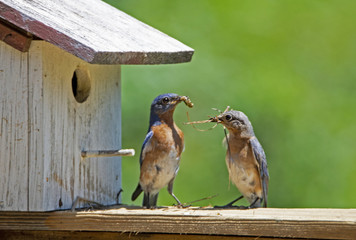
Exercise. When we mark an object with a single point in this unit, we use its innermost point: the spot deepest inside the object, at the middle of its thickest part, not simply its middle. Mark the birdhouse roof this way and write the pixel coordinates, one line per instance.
(94, 31)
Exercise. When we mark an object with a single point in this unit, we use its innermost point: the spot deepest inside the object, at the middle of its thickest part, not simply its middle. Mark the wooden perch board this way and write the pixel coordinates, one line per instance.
(94, 31)
(269, 222)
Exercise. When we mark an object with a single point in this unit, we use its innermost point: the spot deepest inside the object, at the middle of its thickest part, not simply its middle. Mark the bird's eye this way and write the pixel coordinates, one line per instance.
(228, 117)
(165, 100)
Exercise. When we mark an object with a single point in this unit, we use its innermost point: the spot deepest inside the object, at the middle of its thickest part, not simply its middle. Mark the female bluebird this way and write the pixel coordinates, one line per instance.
(161, 150)
(245, 158)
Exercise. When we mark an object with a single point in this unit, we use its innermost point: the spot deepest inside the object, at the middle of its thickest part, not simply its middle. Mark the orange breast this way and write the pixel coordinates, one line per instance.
(161, 157)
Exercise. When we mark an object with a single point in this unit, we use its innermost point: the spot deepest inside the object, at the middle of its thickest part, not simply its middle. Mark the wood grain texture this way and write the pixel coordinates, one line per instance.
(62, 235)
(68, 127)
(94, 31)
(13, 129)
(43, 130)
(35, 109)
(282, 223)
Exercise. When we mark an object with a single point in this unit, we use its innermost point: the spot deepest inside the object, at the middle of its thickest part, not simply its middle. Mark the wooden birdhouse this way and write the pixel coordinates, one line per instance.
(60, 95)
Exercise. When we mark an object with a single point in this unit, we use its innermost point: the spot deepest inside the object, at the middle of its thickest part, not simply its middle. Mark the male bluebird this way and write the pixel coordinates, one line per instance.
(161, 150)
(245, 158)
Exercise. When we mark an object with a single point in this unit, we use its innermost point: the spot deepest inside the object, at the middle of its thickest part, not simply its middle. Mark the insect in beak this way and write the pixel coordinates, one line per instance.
(187, 101)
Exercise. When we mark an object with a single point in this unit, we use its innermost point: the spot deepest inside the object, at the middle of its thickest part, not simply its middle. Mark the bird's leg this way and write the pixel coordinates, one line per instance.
(229, 205)
(178, 202)
(150, 200)
(252, 205)
(170, 191)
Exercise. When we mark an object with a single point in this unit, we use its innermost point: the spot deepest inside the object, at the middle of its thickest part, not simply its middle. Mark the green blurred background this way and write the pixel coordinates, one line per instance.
(289, 65)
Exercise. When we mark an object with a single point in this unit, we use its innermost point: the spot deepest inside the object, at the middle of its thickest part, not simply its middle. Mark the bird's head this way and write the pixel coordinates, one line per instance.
(165, 103)
(234, 121)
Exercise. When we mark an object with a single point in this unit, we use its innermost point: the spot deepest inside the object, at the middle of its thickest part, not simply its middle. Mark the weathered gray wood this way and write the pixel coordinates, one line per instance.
(13, 129)
(94, 31)
(291, 223)
(39, 235)
(43, 130)
(69, 127)
(36, 181)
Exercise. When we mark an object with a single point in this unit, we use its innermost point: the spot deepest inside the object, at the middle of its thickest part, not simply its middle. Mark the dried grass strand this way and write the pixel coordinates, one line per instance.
(202, 199)
(199, 122)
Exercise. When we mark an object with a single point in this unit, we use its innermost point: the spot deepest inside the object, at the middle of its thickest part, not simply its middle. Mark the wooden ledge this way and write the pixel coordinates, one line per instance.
(269, 222)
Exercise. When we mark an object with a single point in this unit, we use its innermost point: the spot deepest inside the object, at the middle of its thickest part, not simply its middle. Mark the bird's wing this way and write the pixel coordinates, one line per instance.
(262, 161)
(145, 145)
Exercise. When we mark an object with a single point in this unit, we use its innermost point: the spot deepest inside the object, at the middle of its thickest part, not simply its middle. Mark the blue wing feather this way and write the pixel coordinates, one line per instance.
(147, 139)
(262, 161)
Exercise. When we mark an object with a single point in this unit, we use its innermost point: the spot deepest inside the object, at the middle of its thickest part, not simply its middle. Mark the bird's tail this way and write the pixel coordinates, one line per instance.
(265, 201)
(265, 190)
(137, 192)
(150, 200)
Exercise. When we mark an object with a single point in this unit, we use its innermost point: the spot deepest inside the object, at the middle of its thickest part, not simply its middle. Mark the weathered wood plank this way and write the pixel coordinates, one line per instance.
(13, 129)
(43, 130)
(68, 127)
(94, 31)
(39, 235)
(291, 223)
(37, 181)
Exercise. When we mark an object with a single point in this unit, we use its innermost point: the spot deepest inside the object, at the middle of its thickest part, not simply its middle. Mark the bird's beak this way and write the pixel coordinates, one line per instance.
(215, 119)
(175, 101)
(219, 119)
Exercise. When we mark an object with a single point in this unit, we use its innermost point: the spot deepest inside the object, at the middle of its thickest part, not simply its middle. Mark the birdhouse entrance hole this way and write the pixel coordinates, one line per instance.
(81, 85)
